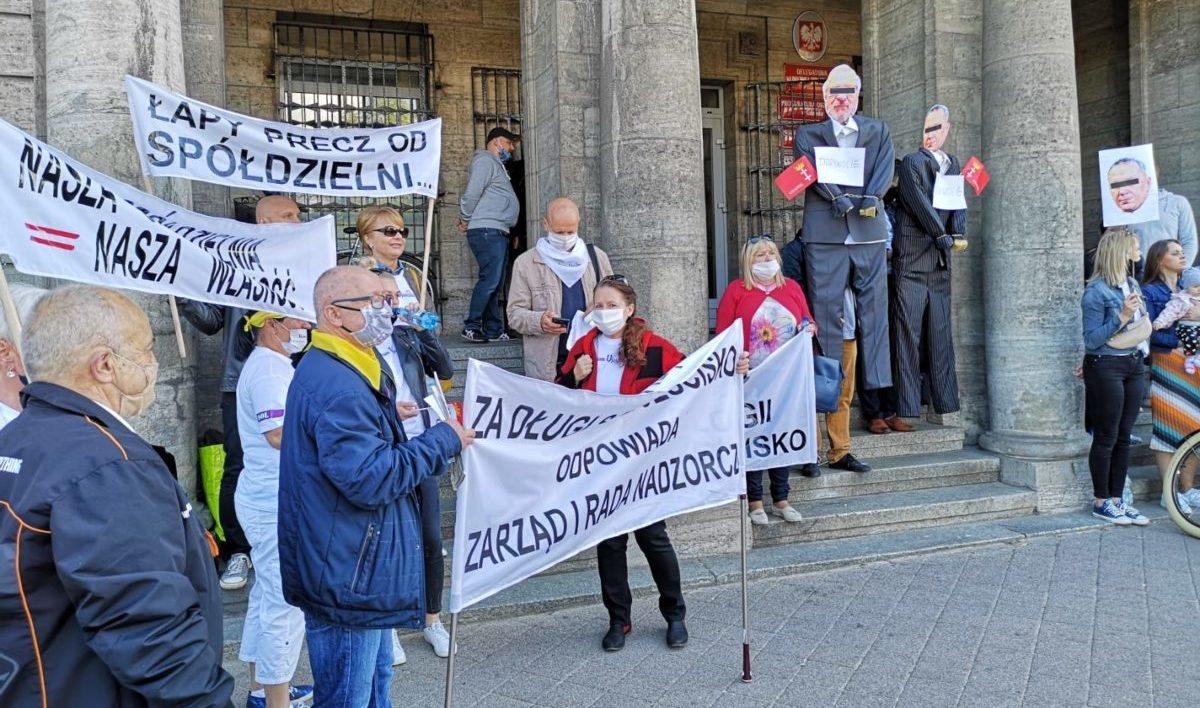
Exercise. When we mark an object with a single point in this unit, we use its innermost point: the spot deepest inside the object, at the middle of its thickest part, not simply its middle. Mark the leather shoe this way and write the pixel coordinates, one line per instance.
(850, 463)
(810, 470)
(878, 426)
(897, 423)
(614, 640)
(677, 635)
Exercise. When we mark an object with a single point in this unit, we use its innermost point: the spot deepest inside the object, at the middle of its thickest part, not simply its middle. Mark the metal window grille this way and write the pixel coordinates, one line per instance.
(336, 72)
(773, 111)
(495, 100)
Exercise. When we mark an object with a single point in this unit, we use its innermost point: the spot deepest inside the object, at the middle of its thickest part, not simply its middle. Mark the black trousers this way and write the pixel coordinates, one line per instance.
(873, 402)
(780, 485)
(431, 538)
(1115, 385)
(235, 538)
(664, 566)
(921, 327)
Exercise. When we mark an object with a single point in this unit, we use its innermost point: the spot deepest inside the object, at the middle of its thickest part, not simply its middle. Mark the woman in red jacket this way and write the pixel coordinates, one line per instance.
(622, 356)
(773, 309)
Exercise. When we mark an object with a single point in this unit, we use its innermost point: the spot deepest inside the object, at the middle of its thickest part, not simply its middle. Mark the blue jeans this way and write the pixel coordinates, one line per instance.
(780, 486)
(351, 667)
(490, 247)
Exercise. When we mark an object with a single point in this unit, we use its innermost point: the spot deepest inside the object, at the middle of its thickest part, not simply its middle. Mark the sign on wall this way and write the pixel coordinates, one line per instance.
(810, 36)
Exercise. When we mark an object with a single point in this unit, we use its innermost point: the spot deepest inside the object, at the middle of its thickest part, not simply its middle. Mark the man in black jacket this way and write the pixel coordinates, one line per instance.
(210, 319)
(925, 237)
(110, 597)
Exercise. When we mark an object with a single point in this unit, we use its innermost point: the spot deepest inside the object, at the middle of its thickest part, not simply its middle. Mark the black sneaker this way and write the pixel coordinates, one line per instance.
(502, 337)
(811, 469)
(474, 335)
(850, 463)
(677, 635)
(614, 640)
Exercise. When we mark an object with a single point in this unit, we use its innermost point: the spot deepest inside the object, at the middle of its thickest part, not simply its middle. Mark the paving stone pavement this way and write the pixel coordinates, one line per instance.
(1097, 618)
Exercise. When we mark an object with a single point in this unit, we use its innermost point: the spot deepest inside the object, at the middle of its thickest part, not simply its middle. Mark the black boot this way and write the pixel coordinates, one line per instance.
(677, 634)
(614, 640)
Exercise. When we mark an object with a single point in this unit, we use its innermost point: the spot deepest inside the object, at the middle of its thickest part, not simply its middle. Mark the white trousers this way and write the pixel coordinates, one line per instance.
(274, 630)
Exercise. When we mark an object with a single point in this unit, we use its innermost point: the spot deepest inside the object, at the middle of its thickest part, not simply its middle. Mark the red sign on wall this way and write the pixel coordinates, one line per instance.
(802, 102)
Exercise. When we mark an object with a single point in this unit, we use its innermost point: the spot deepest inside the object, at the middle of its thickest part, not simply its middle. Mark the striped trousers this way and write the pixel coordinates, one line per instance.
(921, 322)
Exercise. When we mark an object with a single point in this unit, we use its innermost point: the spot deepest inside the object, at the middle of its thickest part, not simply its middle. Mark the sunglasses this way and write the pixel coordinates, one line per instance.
(759, 239)
(1123, 183)
(391, 231)
(614, 278)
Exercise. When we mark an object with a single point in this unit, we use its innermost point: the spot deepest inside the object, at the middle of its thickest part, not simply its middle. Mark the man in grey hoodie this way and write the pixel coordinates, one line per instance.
(488, 208)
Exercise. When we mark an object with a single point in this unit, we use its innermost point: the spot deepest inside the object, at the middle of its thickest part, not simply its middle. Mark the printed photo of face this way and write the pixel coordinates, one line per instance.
(1129, 184)
(936, 130)
(841, 93)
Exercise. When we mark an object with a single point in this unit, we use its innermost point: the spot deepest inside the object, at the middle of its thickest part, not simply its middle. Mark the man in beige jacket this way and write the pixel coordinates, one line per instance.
(550, 283)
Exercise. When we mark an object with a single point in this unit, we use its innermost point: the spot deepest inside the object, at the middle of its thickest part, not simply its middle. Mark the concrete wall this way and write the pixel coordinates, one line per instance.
(1103, 84)
(917, 53)
(466, 33)
(1165, 89)
(19, 65)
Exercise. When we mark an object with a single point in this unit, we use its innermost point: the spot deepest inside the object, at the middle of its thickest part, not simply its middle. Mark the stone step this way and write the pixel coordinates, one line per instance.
(879, 513)
(507, 355)
(1147, 484)
(927, 438)
(898, 474)
(546, 593)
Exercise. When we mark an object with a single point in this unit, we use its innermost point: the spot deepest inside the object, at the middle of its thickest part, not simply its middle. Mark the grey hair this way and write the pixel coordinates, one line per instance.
(939, 107)
(24, 298)
(838, 71)
(66, 324)
(1130, 160)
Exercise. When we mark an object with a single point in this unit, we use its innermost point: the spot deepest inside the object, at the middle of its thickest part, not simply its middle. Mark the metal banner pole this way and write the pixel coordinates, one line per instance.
(425, 259)
(744, 508)
(10, 312)
(450, 662)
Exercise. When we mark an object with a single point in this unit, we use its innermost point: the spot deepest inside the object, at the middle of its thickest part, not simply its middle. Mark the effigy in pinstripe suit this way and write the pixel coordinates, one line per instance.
(921, 253)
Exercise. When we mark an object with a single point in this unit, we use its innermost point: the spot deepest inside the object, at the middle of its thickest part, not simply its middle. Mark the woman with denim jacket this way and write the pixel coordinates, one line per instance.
(1174, 394)
(1114, 378)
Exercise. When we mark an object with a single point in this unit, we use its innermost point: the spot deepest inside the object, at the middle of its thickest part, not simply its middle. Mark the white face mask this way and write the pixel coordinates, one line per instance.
(608, 321)
(297, 341)
(765, 270)
(565, 242)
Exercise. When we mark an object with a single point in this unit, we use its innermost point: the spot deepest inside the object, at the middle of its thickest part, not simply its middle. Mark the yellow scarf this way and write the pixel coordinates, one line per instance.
(360, 359)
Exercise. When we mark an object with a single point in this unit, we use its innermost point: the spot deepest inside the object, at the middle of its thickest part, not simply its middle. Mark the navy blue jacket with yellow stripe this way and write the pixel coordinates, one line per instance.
(108, 595)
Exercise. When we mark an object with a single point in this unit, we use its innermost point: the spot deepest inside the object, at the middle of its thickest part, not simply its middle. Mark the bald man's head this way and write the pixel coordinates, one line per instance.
(341, 283)
(277, 209)
(562, 217)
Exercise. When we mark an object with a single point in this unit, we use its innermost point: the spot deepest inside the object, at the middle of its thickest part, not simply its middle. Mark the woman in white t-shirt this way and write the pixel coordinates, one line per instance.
(12, 370)
(622, 356)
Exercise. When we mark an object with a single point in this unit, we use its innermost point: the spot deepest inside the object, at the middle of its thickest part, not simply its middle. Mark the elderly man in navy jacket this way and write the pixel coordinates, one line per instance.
(845, 234)
(350, 542)
(109, 593)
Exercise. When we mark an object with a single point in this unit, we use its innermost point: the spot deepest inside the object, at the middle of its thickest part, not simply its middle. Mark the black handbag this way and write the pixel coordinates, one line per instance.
(827, 381)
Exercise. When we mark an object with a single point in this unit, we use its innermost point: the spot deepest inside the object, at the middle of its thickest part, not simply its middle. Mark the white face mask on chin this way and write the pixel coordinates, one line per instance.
(566, 242)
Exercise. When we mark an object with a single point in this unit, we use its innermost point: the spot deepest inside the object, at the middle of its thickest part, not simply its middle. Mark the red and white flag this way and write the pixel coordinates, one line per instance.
(796, 178)
(976, 175)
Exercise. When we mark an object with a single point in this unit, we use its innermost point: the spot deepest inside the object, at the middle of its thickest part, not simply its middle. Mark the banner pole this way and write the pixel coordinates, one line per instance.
(450, 661)
(148, 188)
(744, 509)
(425, 259)
(10, 312)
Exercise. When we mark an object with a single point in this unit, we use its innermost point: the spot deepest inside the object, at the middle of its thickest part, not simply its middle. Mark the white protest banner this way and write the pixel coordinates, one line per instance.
(948, 192)
(842, 166)
(554, 471)
(178, 136)
(62, 219)
(781, 408)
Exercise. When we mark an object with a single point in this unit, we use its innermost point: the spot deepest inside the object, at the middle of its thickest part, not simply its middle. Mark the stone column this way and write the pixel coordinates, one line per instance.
(90, 46)
(651, 150)
(1033, 246)
(560, 64)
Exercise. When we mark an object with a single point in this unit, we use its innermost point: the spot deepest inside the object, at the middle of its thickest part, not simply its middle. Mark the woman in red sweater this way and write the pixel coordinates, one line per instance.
(622, 356)
(773, 309)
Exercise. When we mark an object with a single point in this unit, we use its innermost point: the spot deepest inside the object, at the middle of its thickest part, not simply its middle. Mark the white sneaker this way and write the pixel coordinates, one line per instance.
(1192, 497)
(758, 517)
(398, 656)
(237, 572)
(1181, 500)
(438, 638)
(788, 514)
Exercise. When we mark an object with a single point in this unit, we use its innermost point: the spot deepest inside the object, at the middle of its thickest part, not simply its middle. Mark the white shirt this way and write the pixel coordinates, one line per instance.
(261, 401)
(943, 160)
(415, 425)
(116, 415)
(405, 291)
(847, 135)
(7, 415)
(609, 368)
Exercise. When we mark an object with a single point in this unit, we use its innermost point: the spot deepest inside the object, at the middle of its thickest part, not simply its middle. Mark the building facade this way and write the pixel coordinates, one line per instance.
(664, 120)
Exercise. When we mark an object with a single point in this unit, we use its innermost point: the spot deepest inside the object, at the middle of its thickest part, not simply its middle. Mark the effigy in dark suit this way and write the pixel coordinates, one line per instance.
(924, 240)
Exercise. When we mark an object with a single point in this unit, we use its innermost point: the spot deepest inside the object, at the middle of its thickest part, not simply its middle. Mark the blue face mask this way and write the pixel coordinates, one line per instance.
(505, 155)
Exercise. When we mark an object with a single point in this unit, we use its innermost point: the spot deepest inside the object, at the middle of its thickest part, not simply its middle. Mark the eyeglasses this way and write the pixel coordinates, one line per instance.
(614, 278)
(391, 231)
(759, 239)
(375, 300)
